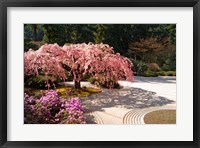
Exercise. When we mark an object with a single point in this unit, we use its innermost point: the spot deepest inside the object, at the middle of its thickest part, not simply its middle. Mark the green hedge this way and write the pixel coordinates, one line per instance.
(167, 73)
(150, 73)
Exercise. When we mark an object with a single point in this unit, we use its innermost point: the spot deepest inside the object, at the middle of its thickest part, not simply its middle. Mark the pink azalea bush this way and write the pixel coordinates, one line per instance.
(29, 109)
(96, 60)
(51, 109)
(74, 111)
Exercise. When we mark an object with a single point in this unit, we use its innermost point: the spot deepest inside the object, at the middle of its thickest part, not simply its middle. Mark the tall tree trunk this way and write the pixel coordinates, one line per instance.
(77, 84)
(35, 32)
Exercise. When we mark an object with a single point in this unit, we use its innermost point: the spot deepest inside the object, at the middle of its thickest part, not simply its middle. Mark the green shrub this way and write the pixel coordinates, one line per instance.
(40, 82)
(107, 84)
(161, 73)
(86, 77)
(143, 67)
(166, 73)
(171, 73)
(172, 67)
(150, 73)
(166, 67)
(140, 67)
(92, 80)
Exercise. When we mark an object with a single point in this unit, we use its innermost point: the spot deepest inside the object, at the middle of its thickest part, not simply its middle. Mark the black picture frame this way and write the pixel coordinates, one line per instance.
(4, 4)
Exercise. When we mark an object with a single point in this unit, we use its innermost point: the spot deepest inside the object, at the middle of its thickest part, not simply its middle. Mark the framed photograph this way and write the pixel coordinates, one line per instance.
(112, 73)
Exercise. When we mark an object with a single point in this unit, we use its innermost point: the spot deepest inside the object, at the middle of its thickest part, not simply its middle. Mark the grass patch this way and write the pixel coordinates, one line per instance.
(64, 91)
(161, 117)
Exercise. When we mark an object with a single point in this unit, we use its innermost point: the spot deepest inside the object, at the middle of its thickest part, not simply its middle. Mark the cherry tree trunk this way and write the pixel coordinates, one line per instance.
(77, 84)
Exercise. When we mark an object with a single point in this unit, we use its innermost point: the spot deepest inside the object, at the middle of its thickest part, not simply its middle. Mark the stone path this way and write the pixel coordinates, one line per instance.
(130, 104)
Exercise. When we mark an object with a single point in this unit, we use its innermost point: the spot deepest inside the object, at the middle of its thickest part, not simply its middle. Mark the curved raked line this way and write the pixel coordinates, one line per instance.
(137, 116)
(98, 119)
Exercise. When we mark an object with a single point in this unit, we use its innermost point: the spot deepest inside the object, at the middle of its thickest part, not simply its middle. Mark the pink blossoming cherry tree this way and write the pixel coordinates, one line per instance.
(96, 60)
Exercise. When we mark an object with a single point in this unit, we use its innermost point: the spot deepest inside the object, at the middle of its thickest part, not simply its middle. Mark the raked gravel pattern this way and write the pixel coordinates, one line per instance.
(131, 103)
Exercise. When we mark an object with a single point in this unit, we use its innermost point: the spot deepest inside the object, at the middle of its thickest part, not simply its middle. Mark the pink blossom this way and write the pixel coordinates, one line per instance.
(97, 60)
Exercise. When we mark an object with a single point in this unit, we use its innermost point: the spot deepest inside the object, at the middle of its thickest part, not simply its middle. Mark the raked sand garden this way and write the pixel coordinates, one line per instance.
(130, 104)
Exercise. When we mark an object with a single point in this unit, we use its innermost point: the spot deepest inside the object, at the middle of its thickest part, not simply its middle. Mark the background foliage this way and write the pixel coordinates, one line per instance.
(149, 46)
